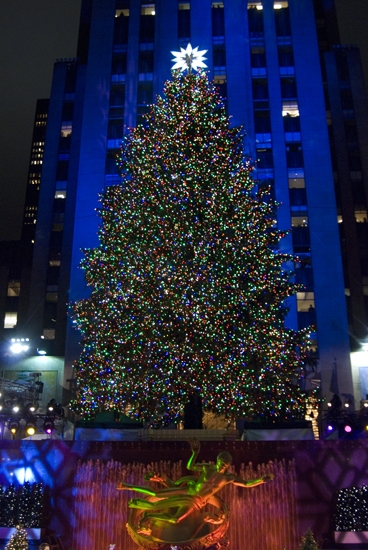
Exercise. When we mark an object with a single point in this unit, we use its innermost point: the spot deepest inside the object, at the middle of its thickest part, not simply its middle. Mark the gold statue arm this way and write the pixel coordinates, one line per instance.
(195, 446)
(160, 478)
(126, 486)
(252, 482)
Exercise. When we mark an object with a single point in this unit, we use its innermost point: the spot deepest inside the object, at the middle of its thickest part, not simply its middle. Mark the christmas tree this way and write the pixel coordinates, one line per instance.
(18, 540)
(308, 542)
(189, 288)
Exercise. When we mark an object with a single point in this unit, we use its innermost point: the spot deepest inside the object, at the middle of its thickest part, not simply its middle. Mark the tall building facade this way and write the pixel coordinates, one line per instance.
(267, 58)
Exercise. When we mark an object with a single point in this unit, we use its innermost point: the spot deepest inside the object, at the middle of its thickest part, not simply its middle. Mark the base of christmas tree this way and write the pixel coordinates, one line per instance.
(351, 537)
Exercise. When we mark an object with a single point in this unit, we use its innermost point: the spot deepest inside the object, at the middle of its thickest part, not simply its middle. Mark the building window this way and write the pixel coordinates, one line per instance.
(304, 276)
(260, 94)
(121, 26)
(145, 63)
(184, 21)
(48, 333)
(301, 239)
(298, 197)
(361, 215)
(296, 178)
(218, 21)
(255, 5)
(292, 128)
(282, 19)
(305, 300)
(115, 129)
(299, 220)
(52, 293)
(66, 129)
(255, 20)
(145, 92)
(13, 287)
(286, 56)
(117, 96)
(62, 170)
(294, 155)
(111, 166)
(258, 61)
(288, 88)
(290, 108)
(264, 158)
(119, 64)
(10, 319)
(147, 27)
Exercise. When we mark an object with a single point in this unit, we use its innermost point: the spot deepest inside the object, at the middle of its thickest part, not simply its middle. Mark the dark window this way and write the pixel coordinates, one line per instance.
(219, 56)
(282, 21)
(358, 192)
(121, 29)
(355, 163)
(119, 63)
(115, 129)
(111, 164)
(301, 239)
(346, 100)
(288, 88)
(291, 123)
(64, 143)
(62, 170)
(222, 88)
(71, 78)
(258, 60)
(342, 67)
(183, 23)
(68, 110)
(298, 196)
(264, 158)
(260, 89)
(286, 56)
(306, 319)
(218, 23)
(145, 92)
(145, 61)
(294, 156)
(262, 125)
(255, 22)
(147, 33)
(117, 96)
(304, 277)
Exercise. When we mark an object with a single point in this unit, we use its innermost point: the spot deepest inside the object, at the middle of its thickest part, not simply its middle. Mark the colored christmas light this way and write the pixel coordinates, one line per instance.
(189, 289)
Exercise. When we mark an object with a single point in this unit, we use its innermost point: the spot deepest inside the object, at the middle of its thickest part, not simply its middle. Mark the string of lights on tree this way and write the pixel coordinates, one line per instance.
(189, 291)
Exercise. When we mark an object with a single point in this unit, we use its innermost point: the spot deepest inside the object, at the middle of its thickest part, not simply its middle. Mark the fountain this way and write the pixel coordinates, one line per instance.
(264, 518)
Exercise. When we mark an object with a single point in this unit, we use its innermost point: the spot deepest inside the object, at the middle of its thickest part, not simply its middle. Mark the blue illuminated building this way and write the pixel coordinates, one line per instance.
(275, 64)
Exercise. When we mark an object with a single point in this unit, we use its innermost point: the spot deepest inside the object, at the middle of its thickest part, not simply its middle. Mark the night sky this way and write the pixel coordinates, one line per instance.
(33, 35)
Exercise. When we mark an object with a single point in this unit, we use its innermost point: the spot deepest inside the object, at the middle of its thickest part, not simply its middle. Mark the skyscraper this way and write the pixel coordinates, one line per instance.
(267, 58)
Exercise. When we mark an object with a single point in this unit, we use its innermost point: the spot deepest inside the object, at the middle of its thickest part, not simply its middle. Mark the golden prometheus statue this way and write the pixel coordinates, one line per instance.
(186, 514)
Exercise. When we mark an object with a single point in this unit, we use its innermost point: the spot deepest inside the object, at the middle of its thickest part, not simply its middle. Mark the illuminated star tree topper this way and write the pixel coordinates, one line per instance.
(189, 59)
